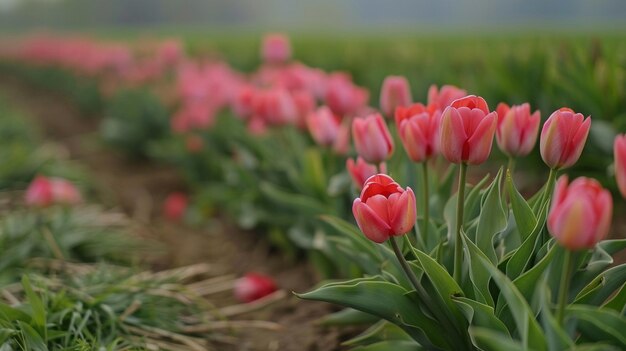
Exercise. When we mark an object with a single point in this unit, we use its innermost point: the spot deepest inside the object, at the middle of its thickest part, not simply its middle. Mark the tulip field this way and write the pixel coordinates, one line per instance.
(271, 192)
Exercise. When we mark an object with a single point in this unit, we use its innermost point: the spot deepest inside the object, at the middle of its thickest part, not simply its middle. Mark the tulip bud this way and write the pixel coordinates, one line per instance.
(359, 171)
(39, 192)
(253, 286)
(563, 138)
(323, 126)
(395, 92)
(442, 98)
(276, 48)
(581, 213)
(517, 129)
(467, 129)
(619, 154)
(342, 142)
(419, 133)
(384, 209)
(372, 138)
(175, 206)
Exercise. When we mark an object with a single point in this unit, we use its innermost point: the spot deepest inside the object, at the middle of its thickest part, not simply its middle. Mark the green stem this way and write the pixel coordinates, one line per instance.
(511, 165)
(547, 195)
(460, 204)
(426, 202)
(564, 287)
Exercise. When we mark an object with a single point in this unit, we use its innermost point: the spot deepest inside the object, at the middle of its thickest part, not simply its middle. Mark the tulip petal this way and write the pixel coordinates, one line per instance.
(481, 141)
(403, 212)
(452, 135)
(370, 224)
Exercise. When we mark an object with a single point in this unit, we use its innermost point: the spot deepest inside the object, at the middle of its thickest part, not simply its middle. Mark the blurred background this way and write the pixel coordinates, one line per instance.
(314, 16)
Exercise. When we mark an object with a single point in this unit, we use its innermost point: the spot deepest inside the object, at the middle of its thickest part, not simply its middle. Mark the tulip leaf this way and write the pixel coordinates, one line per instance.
(489, 340)
(557, 337)
(527, 326)
(479, 277)
(602, 325)
(399, 345)
(480, 315)
(347, 316)
(492, 220)
(379, 331)
(603, 286)
(527, 282)
(302, 203)
(385, 300)
(596, 262)
(618, 301)
(524, 216)
(37, 306)
(353, 233)
(522, 256)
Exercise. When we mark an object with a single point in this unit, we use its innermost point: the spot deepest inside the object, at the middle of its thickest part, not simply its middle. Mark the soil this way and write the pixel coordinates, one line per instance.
(138, 187)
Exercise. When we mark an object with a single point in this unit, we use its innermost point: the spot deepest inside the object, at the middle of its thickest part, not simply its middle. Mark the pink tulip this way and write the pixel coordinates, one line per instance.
(395, 92)
(372, 138)
(343, 97)
(442, 98)
(64, 192)
(253, 286)
(175, 206)
(406, 112)
(323, 126)
(342, 142)
(563, 138)
(305, 105)
(384, 209)
(619, 154)
(467, 129)
(276, 48)
(360, 171)
(39, 192)
(419, 133)
(581, 213)
(517, 129)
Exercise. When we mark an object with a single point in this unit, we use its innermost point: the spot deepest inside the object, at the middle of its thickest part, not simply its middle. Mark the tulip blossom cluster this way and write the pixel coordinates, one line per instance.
(45, 191)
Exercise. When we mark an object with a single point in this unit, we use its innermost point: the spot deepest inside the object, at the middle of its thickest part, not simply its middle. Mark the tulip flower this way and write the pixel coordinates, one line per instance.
(467, 129)
(580, 217)
(517, 129)
(581, 212)
(343, 97)
(323, 126)
(360, 171)
(384, 209)
(442, 98)
(419, 133)
(372, 139)
(175, 206)
(276, 48)
(395, 92)
(253, 286)
(563, 138)
(619, 154)
(64, 192)
(39, 192)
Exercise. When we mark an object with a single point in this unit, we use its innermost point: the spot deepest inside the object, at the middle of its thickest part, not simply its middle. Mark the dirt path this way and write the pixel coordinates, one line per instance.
(140, 187)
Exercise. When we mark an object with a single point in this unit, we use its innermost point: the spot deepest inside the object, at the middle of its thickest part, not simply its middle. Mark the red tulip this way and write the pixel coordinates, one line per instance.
(323, 126)
(563, 138)
(372, 139)
(39, 192)
(406, 112)
(342, 142)
(395, 92)
(253, 286)
(64, 192)
(175, 206)
(517, 129)
(343, 97)
(581, 213)
(619, 154)
(360, 171)
(384, 209)
(419, 133)
(467, 129)
(275, 48)
(442, 98)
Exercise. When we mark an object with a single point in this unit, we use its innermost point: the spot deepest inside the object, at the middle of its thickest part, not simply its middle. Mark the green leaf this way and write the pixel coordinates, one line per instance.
(489, 340)
(38, 309)
(521, 257)
(479, 277)
(302, 203)
(492, 219)
(347, 316)
(385, 300)
(524, 216)
(481, 315)
(32, 340)
(618, 302)
(527, 326)
(399, 345)
(380, 331)
(557, 337)
(602, 325)
(605, 284)
(13, 314)
(527, 282)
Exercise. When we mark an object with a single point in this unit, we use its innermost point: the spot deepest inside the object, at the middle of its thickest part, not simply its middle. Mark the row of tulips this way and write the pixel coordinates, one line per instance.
(486, 268)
